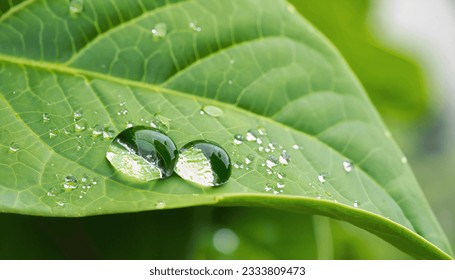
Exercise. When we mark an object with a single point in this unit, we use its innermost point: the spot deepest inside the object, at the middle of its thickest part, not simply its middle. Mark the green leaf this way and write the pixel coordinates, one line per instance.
(260, 62)
(392, 80)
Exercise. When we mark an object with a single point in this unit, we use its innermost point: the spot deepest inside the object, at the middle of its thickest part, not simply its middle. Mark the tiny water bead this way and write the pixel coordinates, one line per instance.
(238, 139)
(46, 117)
(80, 125)
(356, 204)
(404, 160)
(76, 6)
(77, 115)
(204, 163)
(143, 153)
(70, 183)
(159, 30)
(251, 136)
(13, 147)
(347, 166)
(53, 132)
(321, 178)
(160, 204)
(195, 27)
(212, 111)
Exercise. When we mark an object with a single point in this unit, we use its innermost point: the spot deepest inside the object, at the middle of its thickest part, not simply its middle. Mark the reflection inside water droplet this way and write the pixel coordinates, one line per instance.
(204, 163)
(347, 166)
(212, 111)
(143, 153)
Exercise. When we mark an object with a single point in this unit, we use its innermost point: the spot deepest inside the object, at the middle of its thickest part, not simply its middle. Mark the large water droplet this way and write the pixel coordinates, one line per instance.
(143, 153)
(204, 163)
(212, 111)
(159, 30)
(347, 166)
(76, 6)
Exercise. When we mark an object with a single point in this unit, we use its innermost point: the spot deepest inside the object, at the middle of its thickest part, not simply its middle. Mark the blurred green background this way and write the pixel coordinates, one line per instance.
(406, 98)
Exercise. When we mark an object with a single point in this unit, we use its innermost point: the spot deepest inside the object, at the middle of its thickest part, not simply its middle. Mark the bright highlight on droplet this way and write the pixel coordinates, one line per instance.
(159, 30)
(204, 163)
(143, 153)
(212, 111)
(76, 6)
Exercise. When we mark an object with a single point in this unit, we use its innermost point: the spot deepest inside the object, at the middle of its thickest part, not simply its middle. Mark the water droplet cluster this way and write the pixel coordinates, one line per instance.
(71, 188)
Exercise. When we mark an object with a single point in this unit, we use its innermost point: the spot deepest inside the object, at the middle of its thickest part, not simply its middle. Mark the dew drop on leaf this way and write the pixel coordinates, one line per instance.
(238, 139)
(77, 115)
(13, 147)
(46, 117)
(321, 178)
(80, 125)
(76, 6)
(160, 204)
(347, 166)
(251, 136)
(159, 30)
(356, 204)
(53, 132)
(70, 183)
(143, 153)
(204, 163)
(212, 111)
(195, 27)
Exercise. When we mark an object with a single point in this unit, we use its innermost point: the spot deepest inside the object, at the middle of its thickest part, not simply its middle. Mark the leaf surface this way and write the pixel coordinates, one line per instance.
(69, 82)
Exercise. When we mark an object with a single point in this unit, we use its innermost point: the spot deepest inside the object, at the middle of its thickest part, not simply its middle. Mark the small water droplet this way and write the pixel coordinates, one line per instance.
(46, 117)
(160, 122)
(143, 153)
(281, 175)
(260, 148)
(251, 136)
(262, 131)
(53, 132)
(238, 165)
(195, 27)
(321, 178)
(269, 171)
(76, 6)
(259, 141)
(238, 139)
(296, 147)
(204, 163)
(129, 124)
(70, 183)
(268, 187)
(108, 133)
(249, 159)
(52, 192)
(284, 158)
(159, 30)
(347, 166)
(160, 204)
(122, 112)
(230, 82)
(97, 130)
(271, 162)
(123, 103)
(80, 125)
(280, 185)
(212, 111)
(356, 204)
(60, 203)
(13, 147)
(404, 160)
(77, 115)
